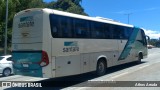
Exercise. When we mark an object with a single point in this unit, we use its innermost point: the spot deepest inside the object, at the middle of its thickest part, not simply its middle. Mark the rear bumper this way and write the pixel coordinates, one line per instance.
(25, 72)
(27, 63)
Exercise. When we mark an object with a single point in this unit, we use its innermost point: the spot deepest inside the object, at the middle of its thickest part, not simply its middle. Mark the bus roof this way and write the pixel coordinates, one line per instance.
(62, 13)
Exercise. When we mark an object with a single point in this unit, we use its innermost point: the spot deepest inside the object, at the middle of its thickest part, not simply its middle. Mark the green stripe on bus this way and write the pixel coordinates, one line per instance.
(130, 42)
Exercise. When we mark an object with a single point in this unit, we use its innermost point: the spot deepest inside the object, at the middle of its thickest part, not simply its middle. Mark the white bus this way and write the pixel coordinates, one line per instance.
(50, 43)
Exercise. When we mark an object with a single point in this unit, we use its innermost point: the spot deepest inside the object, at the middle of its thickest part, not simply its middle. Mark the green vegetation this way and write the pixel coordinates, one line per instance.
(155, 42)
(15, 6)
(72, 6)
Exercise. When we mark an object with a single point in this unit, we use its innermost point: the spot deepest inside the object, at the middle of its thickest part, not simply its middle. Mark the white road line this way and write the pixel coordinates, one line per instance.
(144, 66)
(81, 88)
(119, 75)
(75, 88)
(35, 79)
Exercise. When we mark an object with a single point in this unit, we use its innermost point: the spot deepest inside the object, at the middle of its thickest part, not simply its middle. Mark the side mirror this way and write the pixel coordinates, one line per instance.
(148, 39)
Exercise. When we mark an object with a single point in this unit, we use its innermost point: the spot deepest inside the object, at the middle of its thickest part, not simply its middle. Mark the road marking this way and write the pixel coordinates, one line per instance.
(144, 66)
(82, 88)
(119, 75)
(35, 79)
(76, 88)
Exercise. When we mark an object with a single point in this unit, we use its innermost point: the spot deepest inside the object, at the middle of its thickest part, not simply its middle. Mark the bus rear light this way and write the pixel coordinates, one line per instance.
(45, 59)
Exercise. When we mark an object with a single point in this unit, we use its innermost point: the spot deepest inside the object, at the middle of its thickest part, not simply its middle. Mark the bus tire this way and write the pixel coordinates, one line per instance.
(140, 57)
(101, 67)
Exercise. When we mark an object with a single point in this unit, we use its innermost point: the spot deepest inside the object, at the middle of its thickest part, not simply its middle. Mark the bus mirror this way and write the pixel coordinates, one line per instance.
(148, 39)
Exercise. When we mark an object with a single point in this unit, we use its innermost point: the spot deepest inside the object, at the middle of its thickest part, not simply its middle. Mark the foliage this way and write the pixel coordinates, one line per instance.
(15, 6)
(154, 42)
(72, 6)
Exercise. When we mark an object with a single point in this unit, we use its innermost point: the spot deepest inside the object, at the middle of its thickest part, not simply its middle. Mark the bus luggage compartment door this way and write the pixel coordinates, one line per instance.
(67, 65)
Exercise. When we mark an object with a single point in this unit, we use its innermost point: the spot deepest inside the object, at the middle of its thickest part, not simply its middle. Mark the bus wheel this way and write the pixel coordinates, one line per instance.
(140, 57)
(101, 67)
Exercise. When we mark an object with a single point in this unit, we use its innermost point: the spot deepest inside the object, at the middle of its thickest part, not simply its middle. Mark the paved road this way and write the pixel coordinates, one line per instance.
(148, 70)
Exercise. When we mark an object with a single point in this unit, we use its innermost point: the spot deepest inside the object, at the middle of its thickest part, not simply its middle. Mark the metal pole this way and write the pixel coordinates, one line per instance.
(128, 18)
(5, 44)
(128, 14)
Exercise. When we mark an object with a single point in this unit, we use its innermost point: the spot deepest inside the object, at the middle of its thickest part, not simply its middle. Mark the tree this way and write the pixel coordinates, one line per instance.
(14, 6)
(72, 6)
(77, 2)
(153, 42)
(2, 21)
(26, 4)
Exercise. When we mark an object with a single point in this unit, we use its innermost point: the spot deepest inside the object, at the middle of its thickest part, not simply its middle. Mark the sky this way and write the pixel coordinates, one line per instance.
(140, 13)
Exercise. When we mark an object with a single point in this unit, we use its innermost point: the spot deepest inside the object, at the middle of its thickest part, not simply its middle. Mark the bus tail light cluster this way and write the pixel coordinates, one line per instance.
(45, 59)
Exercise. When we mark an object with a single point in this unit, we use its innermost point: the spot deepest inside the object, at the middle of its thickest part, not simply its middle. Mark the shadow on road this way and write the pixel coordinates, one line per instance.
(60, 83)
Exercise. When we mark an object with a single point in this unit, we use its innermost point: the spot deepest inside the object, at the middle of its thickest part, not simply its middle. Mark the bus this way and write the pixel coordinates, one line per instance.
(50, 43)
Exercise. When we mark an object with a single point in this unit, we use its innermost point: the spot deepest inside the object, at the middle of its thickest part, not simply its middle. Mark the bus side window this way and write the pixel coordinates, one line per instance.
(97, 30)
(116, 32)
(108, 31)
(127, 32)
(54, 25)
(65, 27)
(54, 30)
(81, 28)
(121, 32)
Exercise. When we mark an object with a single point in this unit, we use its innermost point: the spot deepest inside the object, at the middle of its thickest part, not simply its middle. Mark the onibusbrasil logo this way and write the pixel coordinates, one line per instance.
(20, 84)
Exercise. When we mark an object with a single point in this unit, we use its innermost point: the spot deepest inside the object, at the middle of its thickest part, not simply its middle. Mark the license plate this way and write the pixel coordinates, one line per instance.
(25, 65)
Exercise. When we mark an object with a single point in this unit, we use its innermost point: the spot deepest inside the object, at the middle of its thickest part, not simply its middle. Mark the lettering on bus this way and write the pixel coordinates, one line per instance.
(71, 46)
(26, 22)
(70, 49)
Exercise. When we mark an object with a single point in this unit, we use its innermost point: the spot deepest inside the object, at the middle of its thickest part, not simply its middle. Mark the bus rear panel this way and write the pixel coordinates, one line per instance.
(28, 56)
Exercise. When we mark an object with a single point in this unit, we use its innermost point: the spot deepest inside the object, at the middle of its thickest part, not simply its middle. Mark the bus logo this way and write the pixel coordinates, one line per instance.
(26, 22)
(71, 46)
(29, 18)
(74, 43)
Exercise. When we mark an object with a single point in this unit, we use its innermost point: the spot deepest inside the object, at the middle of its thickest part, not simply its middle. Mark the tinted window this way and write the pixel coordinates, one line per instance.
(117, 31)
(108, 31)
(97, 30)
(54, 23)
(61, 26)
(81, 29)
(67, 27)
(127, 32)
(121, 32)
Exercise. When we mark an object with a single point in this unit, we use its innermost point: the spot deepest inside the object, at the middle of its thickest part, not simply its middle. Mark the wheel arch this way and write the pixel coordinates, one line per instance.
(140, 54)
(102, 57)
